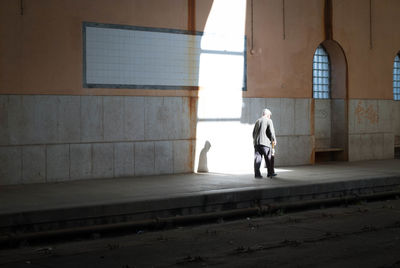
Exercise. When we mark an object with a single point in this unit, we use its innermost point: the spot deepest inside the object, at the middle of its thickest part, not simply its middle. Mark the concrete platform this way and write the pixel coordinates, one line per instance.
(100, 204)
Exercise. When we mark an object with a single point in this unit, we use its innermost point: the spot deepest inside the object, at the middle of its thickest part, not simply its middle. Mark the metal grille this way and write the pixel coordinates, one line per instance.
(321, 74)
(396, 78)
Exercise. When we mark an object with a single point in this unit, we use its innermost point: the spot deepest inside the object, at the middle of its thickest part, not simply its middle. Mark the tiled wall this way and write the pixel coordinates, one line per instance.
(55, 138)
(330, 124)
(323, 123)
(231, 141)
(396, 121)
(140, 57)
(372, 128)
(292, 124)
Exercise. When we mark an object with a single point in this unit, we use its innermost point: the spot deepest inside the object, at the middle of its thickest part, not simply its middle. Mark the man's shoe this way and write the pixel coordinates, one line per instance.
(258, 177)
(272, 175)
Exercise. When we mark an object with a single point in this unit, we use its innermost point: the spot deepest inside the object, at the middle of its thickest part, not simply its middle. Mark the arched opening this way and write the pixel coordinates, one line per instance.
(330, 113)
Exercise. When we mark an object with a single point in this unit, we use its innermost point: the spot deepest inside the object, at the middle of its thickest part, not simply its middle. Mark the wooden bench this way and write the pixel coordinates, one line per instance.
(327, 154)
(319, 150)
(397, 151)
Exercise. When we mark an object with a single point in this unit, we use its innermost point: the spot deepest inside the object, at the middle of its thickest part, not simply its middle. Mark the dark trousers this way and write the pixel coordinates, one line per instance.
(261, 151)
(272, 164)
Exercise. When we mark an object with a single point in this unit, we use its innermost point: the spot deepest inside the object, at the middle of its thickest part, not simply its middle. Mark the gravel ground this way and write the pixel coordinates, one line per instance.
(361, 235)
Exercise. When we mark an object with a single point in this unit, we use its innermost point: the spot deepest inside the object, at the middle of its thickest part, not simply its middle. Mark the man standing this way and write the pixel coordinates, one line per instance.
(263, 138)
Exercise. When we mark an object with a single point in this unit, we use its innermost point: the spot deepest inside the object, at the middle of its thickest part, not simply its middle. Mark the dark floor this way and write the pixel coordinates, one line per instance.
(360, 235)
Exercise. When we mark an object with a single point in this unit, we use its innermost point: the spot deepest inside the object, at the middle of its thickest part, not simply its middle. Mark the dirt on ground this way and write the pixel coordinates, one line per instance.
(360, 235)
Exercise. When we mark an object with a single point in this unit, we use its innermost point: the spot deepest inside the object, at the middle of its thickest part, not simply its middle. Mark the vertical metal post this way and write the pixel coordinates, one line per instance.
(192, 16)
(370, 24)
(252, 28)
(283, 20)
(328, 20)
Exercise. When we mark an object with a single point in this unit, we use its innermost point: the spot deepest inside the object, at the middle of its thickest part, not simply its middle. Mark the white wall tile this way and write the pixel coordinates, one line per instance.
(386, 116)
(57, 162)
(68, 119)
(124, 161)
(302, 113)
(286, 117)
(33, 164)
(144, 158)
(103, 160)
(134, 118)
(354, 147)
(388, 146)
(10, 165)
(182, 156)
(154, 54)
(377, 146)
(113, 118)
(274, 105)
(4, 131)
(322, 123)
(81, 161)
(91, 118)
(163, 154)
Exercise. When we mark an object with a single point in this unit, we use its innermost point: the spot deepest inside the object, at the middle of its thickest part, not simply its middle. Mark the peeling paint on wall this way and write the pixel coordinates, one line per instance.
(367, 112)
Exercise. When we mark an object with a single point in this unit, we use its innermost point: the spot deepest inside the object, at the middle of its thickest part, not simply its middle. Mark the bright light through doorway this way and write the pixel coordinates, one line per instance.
(223, 143)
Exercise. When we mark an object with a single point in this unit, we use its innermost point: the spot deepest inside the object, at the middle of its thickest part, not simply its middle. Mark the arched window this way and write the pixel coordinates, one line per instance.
(321, 74)
(396, 78)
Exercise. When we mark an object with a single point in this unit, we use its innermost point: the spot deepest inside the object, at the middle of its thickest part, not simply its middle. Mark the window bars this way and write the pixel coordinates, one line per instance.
(396, 78)
(321, 74)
